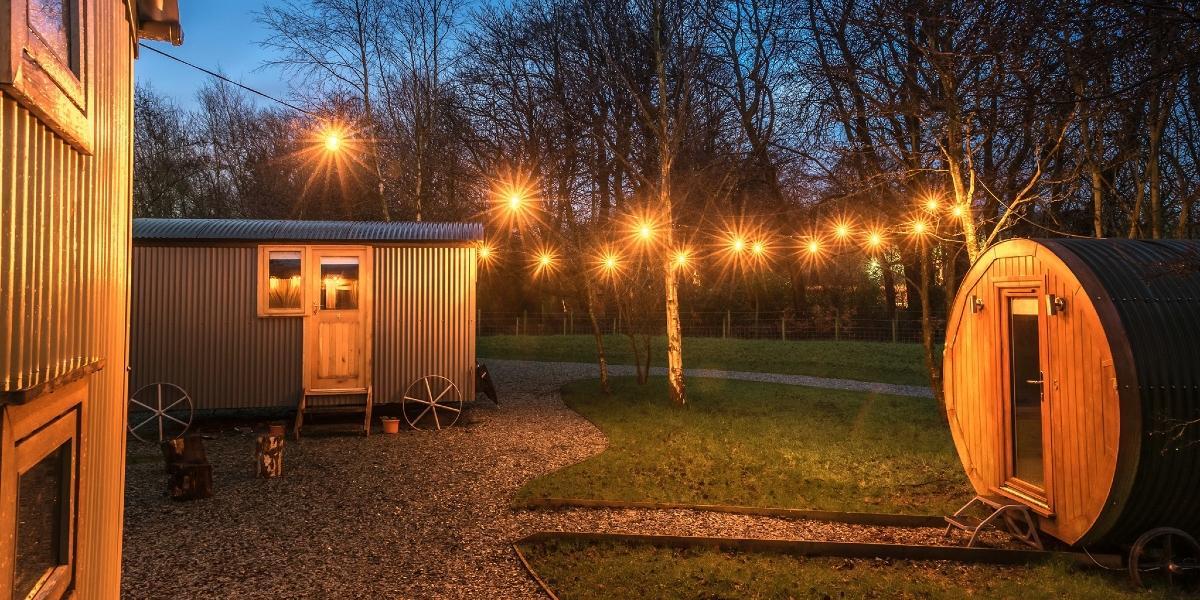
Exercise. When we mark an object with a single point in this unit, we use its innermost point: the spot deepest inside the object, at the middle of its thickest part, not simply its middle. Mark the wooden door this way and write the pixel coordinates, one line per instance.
(1026, 408)
(337, 327)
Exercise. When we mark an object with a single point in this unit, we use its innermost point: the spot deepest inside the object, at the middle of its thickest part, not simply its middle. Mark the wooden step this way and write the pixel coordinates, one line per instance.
(995, 502)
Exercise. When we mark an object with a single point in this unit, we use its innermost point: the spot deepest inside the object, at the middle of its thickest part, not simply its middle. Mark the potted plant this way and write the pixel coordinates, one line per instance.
(391, 425)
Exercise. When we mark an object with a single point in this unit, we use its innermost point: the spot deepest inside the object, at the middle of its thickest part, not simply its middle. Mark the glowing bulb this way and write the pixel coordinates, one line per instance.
(931, 205)
(515, 201)
(957, 211)
(875, 239)
(645, 231)
(842, 230)
(545, 259)
(739, 244)
(919, 227)
(333, 142)
(814, 247)
(681, 258)
(485, 252)
(610, 262)
(759, 248)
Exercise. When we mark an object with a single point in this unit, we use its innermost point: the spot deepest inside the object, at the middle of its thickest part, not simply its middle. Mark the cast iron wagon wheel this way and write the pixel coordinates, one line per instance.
(169, 409)
(432, 402)
(1163, 558)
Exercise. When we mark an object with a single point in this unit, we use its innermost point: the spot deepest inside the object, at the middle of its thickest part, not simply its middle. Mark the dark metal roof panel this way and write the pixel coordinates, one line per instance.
(299, 231)
(1154, 285)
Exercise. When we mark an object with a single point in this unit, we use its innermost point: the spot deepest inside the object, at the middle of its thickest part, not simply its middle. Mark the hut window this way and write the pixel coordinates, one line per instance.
(38, 512)
(339, 282)
(45, 66)
(281, 281)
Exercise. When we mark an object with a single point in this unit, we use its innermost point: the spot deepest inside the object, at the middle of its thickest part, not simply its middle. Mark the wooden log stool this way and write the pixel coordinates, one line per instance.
(268, 453)
(189, 476)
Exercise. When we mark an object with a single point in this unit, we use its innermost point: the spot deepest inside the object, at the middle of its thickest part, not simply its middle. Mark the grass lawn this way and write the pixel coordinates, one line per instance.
(578, 571)
(759, 444)
(863, 361)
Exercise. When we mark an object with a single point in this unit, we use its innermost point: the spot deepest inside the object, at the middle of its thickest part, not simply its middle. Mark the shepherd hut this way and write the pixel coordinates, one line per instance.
(1072, 369)
(262, 314)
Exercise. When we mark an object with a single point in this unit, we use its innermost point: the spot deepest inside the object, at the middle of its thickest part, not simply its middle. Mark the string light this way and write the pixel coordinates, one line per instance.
(739, 244)
(931, 205)
(841, 230)
(814, 247)
(957, 211)
(758, 248)
(874, 239)
(485, 253)
(681, 258)
(333, 142)
(919, 227)
(515, 201)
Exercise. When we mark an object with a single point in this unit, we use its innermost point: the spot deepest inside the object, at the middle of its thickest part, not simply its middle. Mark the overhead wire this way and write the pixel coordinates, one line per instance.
(228, 80)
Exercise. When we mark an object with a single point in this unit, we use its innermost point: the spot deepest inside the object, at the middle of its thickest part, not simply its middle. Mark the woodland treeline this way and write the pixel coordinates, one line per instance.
(774, 118)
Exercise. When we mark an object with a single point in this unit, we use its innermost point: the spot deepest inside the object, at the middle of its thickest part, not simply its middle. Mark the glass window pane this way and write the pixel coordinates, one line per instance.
(339, 282)
(41, 502)
(284, 279)
(51, 21)
(1026, 391)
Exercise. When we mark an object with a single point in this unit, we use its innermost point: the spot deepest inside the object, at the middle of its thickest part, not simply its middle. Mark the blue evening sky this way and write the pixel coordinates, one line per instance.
(220, 35)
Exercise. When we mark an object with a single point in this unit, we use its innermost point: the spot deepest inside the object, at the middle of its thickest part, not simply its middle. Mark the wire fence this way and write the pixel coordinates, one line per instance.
(738, 325)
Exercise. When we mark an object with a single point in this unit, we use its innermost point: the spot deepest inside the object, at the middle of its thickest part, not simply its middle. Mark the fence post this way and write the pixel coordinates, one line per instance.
(728, 324)
(837, 325)
(517, 330)
(893, 330)
(564, 323)
(783, 327)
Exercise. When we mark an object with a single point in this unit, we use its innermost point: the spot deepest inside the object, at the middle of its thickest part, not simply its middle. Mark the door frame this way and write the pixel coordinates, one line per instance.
(366, 305)
(1038, 498)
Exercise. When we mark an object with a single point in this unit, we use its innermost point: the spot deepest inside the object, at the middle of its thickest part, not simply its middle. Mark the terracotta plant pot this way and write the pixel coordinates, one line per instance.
(390, 425)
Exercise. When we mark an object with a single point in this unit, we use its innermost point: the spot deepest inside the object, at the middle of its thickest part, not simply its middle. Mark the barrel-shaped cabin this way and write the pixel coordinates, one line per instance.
(1072, 367)
(258, 314)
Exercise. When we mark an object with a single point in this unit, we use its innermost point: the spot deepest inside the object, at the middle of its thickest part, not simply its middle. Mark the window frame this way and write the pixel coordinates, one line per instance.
(262, 281)
(40, 81)
(30, 433)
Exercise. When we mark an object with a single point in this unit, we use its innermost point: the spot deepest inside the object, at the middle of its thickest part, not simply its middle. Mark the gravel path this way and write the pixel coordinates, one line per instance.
(416, 515)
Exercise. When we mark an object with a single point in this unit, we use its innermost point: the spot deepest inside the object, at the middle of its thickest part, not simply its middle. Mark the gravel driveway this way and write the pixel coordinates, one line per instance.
(415, 515)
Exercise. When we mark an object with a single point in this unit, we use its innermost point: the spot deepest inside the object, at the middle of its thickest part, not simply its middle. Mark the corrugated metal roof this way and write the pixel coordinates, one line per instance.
(1154, 285)
(303, 231)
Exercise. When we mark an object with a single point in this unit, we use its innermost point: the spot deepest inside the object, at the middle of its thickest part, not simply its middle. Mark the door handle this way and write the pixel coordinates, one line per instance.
(316, 307)
(1035, 381)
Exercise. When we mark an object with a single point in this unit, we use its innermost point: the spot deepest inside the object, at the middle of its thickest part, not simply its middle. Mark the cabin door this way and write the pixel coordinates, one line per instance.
(1026, 408)
(336, 340)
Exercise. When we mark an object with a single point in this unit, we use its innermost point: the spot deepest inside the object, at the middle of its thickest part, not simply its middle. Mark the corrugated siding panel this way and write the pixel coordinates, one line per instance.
(64, 246)
(299, 231)
(195, 324)
(424, 318)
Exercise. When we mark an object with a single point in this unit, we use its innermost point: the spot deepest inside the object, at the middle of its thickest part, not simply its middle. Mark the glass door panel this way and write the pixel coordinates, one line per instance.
(1025, 391)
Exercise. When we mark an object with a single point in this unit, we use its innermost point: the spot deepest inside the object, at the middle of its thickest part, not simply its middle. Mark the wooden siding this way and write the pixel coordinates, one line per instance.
(64, 243)
(195, 323)
(1084, 410)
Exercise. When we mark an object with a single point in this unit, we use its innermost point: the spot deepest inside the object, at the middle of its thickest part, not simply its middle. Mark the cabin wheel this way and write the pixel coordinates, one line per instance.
(432, 402)
(1165, 558)
(159, 412)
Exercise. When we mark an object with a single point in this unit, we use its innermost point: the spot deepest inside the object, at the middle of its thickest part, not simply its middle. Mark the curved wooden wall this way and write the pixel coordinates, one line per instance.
(1085, 425)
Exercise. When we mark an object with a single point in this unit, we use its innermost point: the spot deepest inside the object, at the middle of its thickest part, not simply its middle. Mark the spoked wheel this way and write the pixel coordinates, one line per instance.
(432, 402)
(1165, 558)
(159, 412)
